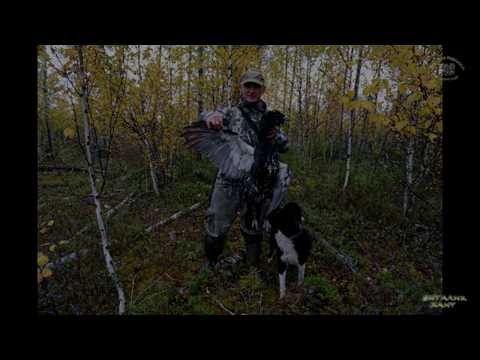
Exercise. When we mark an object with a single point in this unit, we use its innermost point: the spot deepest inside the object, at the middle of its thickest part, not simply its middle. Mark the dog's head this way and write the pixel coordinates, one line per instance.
(287, 218)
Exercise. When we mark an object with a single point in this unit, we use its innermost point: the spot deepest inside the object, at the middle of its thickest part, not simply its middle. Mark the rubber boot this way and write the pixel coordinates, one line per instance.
(213, 248)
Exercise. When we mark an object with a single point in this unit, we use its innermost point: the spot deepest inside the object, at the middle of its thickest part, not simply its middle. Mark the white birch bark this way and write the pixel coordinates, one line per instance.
(229, 75)
(352, 119)
(173, 217)
(299, 128)
(344, 91)
(149, 147)
(292, 86)
(189, 77)
(408, 174)
(408, 167)
(200, 80)
(46, 108)
(91, 176)
(285, 80)
(153, 168)
(306, 103)
(154, 178)
(170, 74)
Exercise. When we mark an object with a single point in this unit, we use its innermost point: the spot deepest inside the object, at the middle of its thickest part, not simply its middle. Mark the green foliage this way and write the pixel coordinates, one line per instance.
(198, 282)
(386, 279)
(50, 180)
(198, 306)
(250, 282)
(322, 288)
(155, 303)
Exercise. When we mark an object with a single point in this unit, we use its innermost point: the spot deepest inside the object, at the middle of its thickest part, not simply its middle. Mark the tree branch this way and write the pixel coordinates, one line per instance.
(65, 168)
(339, 255)
(107, 215)
(173, 217)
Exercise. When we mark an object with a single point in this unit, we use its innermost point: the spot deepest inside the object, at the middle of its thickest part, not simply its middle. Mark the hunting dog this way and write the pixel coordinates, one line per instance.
(291, 241)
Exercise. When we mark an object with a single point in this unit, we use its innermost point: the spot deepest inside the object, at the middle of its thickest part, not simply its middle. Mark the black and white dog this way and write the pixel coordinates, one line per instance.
(291, 240)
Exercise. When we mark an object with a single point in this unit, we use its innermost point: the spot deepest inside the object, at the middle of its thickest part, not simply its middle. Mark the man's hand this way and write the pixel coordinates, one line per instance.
(215, 121)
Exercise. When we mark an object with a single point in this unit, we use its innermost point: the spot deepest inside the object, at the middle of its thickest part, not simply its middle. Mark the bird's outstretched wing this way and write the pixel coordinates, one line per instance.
(228, 152)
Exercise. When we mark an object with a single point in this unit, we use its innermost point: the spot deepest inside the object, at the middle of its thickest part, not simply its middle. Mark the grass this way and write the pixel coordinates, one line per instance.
(160, 270)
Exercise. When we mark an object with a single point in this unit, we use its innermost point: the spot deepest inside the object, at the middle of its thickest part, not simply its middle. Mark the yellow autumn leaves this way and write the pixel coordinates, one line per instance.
(358, 104)
(69, 133)
(43, 271)
(43, 267)
(41, 259)
(45, 229)
(375, 86)
(379, 118)
(426, 108)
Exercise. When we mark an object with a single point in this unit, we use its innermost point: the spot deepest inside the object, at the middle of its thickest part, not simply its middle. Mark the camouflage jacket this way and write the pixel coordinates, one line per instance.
(234, 120)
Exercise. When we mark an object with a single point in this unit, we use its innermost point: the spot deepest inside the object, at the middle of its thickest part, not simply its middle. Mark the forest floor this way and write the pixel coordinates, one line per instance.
(399, 260)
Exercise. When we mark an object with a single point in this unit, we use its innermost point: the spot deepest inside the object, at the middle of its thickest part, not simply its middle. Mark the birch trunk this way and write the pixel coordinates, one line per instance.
(229, 75)
(306, 112)
(364, 143)
(292, 84)
(344, 90)
(170, 75)
(318, 93)
(285, 80)
(160, 48)
(352, 120)
(298, 130)
(146, 135)
(153, 170)
(424, 170)
(200, 80)
(46, 109)
(407, 200)
(91, 176)
(189, 77)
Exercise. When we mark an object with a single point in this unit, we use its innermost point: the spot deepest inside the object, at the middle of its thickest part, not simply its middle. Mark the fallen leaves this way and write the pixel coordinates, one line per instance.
(46, 273)
(42, 271)
(42, 259)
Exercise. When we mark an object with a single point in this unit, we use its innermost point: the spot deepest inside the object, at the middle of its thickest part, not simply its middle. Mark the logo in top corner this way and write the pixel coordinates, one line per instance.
(450, 68)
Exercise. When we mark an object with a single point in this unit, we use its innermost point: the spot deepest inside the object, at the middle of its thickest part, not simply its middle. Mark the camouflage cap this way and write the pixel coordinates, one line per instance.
(252, 76)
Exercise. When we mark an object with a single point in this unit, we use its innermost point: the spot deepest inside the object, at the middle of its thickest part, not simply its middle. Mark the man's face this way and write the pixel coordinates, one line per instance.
(251, 92)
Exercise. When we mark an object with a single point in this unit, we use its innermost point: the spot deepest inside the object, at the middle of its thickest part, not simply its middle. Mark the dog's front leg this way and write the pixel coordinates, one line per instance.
(282, 276)
(273, 244)
(301, 274)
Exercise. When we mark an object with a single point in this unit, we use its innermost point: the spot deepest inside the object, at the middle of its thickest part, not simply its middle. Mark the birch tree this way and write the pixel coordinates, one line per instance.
(83, 78)
(352, 119)
(229, 75)
(200, 80)
(46, 103)
(143, 111)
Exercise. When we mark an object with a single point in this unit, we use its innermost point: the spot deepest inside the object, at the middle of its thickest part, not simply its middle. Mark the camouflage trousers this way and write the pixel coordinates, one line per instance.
(228, 201)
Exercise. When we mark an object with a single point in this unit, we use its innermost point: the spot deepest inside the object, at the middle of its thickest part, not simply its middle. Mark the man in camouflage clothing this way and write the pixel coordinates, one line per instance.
(227, 197)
